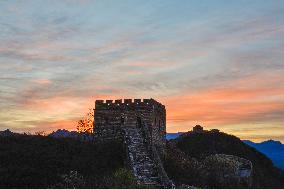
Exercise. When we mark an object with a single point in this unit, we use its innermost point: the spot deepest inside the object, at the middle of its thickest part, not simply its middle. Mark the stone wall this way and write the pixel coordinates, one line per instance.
(110, 117)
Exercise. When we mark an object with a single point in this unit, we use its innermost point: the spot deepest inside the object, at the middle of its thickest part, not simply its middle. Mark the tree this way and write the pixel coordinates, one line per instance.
(87, 123)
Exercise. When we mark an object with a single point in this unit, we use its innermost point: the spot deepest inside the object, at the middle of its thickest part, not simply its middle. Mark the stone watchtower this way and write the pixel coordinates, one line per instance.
(111, 117)
(142, 126)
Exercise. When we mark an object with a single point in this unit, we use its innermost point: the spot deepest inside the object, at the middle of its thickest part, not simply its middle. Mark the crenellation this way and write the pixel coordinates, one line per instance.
(129, 104)
(147, 101)
(119, 101)
(127, 101)
(137, 101)
(109, 101)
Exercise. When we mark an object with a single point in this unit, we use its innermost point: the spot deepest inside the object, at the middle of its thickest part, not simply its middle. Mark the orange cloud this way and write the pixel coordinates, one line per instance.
(237, 102)
(243, 101)
(69, 124)
(42, 81)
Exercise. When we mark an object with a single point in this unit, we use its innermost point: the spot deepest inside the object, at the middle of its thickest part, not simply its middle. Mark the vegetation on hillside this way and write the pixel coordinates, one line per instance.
(45, 162)
(30, 162)
(187, 151)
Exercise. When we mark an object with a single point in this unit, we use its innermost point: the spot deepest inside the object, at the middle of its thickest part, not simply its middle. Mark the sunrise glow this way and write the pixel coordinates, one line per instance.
(214, 63)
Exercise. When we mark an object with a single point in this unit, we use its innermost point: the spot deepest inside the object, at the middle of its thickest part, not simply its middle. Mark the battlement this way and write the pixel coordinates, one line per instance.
(128, 104)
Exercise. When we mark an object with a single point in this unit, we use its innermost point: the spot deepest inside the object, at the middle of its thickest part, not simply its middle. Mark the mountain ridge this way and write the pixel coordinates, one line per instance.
(188, 154)
(273, 149)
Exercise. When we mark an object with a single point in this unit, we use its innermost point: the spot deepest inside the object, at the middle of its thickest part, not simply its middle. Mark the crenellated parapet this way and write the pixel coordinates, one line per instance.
(129, 104)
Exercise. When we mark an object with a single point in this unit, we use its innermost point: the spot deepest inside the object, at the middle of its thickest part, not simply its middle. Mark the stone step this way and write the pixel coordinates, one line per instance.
(142, 164)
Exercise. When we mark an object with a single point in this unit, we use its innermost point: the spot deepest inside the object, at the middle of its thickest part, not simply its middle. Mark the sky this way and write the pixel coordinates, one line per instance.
(214, 63)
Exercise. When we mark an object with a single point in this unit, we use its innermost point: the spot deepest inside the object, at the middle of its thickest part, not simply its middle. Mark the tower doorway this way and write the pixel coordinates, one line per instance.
(139, 122)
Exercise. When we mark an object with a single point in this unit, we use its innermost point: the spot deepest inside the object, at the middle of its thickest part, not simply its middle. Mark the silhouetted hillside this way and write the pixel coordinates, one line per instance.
(274, 150)
(46, 162)
(193, 148)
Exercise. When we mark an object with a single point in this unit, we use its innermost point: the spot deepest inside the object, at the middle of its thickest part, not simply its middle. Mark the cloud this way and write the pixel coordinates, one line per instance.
(221, 67)
(242, 101)
(42, 81)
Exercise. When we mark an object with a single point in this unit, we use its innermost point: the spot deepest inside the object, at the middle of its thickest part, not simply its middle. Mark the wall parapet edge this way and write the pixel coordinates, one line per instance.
(125, 103)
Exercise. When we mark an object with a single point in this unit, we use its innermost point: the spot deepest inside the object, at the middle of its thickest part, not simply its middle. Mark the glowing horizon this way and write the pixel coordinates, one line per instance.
(218, 64)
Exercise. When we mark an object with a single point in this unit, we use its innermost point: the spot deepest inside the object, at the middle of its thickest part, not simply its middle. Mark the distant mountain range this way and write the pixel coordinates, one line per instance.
(63, 133)
(271, 148)
(170, 136)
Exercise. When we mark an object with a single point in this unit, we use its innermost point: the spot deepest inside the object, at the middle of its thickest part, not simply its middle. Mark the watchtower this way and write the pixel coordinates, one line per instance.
(111, 117)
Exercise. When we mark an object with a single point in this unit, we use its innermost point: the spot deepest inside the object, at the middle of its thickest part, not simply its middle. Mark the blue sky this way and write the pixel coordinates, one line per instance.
(215, 63)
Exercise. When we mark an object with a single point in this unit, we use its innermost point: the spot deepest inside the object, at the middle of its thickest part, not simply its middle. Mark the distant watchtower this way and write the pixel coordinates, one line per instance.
(112, 117)
(198, 129)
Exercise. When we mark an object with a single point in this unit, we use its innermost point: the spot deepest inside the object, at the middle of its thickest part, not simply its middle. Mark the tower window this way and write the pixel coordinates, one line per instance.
(122, 120)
